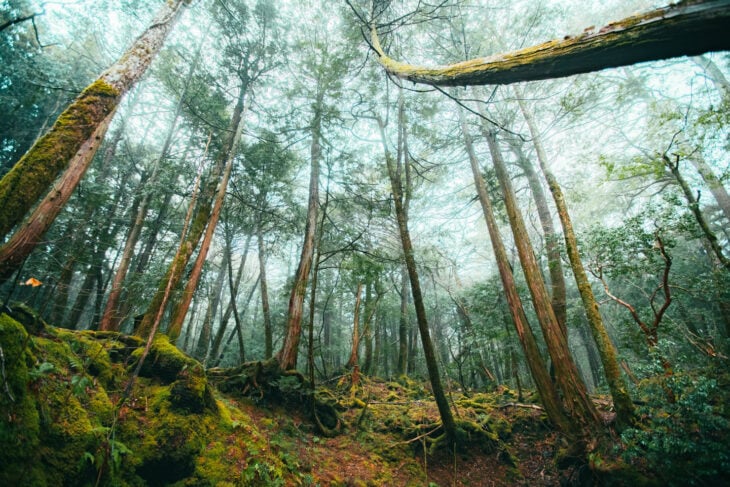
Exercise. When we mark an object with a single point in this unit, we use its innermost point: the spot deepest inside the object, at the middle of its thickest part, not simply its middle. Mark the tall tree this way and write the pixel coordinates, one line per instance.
(538, 368)
(76, 135)
(616, 383)
(566, 373)
(447, 418)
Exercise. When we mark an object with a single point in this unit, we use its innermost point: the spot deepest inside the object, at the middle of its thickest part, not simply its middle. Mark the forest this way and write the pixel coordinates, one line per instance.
(364, 243)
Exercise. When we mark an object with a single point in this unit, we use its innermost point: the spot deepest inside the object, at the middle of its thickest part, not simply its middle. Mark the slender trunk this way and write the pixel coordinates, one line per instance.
(354, 360)
(203, 215)
(264, 287)
(535, 362)
(367, 330)
(190, 329)
(403, 324)
(447, 419)
(204, 343)
(594, 361)
(111, 318)
(287, 356)
(377, 347)
(694, 206)
(713, 183)
(714, 73)
(238, 332)
(405, 350)
(233, 285)
(76, 135)
(616, 383)
(555, 267)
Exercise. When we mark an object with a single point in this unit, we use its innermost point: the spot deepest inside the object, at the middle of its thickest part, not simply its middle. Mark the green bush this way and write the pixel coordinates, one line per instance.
(682, 442)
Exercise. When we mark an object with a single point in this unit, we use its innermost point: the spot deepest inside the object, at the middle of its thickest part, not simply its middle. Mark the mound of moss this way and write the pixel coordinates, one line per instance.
(65, 418)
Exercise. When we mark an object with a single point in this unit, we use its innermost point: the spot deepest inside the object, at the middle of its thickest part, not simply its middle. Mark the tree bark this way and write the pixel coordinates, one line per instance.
(287, 356)
(76, 134)
(447, 419)
(264, 286)
(576, 397)
(354, 360)
(606, 351)
(682, 29)
(538, 368)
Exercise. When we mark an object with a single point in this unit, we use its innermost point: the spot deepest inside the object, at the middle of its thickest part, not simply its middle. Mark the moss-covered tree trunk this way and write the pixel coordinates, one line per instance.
(78, 131)
(616, 383)
(535, 362)
(682, 29)
(579, 405)
(199, 221)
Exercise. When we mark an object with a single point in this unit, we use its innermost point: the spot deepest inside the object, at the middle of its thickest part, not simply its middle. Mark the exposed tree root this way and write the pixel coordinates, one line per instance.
(265, 379)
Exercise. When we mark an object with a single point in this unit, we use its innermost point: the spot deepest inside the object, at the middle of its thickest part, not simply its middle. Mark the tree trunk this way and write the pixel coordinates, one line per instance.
(233, 285)
(682, 29)
(555, 266)
(694, 206)
(403, 325)
(287, 356)
(576, 397)
(447, 419)
(535, 362)
(616, 383)
(263, 285)
(354, 360)
(713, 183)
(202, 216)
(715, 74)
(76, 135)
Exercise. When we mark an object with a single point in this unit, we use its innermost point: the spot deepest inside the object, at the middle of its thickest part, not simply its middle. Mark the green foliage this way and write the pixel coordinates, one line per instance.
(685, 442)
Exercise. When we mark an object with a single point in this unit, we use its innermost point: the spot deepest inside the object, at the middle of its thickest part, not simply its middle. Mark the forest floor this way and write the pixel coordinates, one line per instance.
(378, 444)
(72, 415)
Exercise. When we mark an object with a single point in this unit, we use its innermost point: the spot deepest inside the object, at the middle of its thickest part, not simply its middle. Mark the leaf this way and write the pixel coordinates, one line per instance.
(32, 281)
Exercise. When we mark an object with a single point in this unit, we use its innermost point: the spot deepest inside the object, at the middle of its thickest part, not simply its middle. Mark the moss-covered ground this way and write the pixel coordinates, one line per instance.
(70, 417)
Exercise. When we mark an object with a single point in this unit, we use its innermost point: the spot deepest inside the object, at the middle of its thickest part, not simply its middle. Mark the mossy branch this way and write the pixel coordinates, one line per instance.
(687, 28)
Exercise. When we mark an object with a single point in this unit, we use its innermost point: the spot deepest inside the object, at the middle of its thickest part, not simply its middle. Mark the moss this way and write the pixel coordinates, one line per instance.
(39, 167)
(191, 392)
(164, 362)
(19, 423)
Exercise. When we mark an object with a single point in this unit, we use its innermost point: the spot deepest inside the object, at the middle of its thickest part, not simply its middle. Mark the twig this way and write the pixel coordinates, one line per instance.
(423, 435)
(520, 405)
